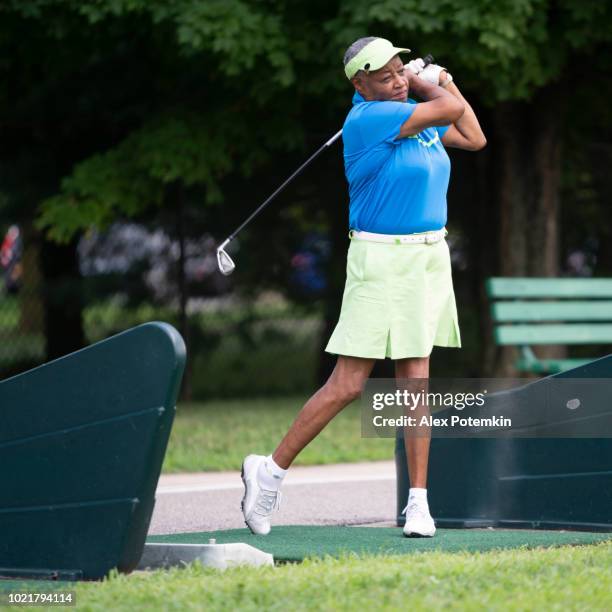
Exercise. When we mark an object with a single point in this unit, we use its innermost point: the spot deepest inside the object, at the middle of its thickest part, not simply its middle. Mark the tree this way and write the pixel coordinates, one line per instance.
(201, 94)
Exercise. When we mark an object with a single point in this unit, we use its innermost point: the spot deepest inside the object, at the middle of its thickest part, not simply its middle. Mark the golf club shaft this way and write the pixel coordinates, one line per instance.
(283, 185)
(428, 59)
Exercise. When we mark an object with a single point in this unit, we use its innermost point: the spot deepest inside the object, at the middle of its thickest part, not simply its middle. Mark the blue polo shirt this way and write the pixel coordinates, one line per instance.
(396, 185)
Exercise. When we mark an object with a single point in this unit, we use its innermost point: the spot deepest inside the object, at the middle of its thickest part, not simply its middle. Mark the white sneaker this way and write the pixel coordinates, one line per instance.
(418, 520)
(257, 503)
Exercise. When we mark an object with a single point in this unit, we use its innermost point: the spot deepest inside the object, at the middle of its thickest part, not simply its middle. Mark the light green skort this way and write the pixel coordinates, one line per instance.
(398, 301)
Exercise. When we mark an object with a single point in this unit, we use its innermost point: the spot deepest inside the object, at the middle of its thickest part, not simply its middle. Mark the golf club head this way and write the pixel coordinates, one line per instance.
(224, 261)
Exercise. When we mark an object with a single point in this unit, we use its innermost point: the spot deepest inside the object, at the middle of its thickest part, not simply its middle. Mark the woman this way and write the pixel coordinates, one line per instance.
(398, 300)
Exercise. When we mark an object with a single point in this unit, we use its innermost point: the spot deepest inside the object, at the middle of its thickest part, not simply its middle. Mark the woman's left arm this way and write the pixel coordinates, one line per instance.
(466, 132)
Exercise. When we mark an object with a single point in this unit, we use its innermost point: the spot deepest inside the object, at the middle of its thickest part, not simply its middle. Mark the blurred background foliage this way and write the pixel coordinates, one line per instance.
(136, 135)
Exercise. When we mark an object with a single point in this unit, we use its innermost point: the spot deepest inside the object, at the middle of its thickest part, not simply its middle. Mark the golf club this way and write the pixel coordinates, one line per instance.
(224, 261)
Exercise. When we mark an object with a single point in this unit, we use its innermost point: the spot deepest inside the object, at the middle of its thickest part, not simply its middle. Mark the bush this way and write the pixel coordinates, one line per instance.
(270, 361)
(235, 349)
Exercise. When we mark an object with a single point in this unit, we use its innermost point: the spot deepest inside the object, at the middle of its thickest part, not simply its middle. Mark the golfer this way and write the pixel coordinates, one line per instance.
(398, 299)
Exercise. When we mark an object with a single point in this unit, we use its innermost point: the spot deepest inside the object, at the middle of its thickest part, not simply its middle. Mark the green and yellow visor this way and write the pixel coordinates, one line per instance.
(372, 57)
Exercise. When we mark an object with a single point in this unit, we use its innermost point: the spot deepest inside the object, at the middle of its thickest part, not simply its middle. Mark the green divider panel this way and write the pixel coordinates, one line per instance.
(81, 448)
(562, 482)
(503, 287)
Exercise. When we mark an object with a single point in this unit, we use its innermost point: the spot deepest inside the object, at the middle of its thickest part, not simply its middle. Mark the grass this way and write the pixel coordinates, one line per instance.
(217, 435)
(565, 578)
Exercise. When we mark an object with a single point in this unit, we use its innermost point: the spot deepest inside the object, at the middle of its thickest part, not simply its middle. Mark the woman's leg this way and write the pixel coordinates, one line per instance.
(263, 477)
(343, 386)
(416, 441)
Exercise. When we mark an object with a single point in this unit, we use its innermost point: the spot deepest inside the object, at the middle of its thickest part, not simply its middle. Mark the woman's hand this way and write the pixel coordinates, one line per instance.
(412, 78)
(432, 73)
(415, 66)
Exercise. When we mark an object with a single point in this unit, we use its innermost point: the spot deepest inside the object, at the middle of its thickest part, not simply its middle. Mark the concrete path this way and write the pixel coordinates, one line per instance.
(342, 494)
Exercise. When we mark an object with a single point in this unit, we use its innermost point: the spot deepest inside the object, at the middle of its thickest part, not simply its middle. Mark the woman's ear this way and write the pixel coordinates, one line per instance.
(358, 84)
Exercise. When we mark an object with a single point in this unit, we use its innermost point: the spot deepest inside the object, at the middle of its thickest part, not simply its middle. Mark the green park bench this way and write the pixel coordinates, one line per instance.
(551, 311)
(550, 471)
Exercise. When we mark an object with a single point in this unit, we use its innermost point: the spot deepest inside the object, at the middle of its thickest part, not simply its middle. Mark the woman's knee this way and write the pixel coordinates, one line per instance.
(412, 367)
(345, 390)
(348, 378)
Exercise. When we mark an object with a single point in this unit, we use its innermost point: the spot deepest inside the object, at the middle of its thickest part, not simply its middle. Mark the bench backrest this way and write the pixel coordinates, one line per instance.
(551, 310)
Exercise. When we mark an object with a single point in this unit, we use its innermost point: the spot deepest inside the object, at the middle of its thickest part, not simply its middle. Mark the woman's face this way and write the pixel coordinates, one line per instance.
(387, 83)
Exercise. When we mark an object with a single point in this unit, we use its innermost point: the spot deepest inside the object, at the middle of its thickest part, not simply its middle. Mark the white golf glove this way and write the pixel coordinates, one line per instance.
(431, 73)
(416, 65)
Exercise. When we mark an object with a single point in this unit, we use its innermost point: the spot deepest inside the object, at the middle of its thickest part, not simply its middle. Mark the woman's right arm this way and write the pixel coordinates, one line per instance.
(440, 107)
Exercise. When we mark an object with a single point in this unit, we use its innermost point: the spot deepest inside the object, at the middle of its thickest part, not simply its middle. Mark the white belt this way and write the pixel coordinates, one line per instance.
(420, 238)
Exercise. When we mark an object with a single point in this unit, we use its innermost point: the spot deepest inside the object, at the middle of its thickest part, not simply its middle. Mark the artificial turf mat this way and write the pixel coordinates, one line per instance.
(294, 543)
